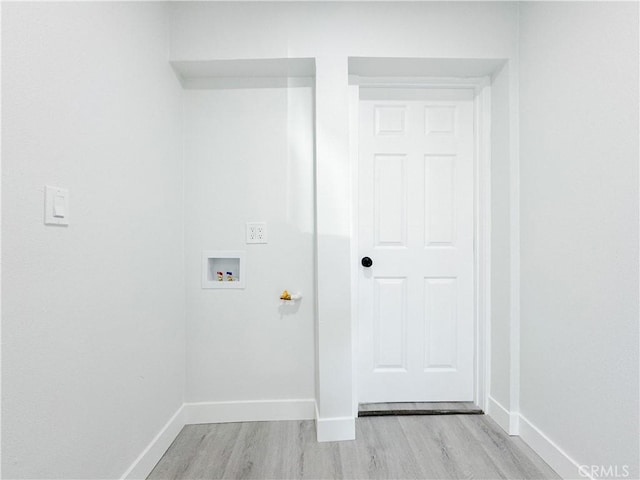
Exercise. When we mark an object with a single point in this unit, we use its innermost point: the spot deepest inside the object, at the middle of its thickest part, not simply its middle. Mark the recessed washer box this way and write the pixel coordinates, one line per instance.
(230, 263)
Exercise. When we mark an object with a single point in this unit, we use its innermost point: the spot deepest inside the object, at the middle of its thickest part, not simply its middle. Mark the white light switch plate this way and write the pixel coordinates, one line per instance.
(56, 206)
(256, 232)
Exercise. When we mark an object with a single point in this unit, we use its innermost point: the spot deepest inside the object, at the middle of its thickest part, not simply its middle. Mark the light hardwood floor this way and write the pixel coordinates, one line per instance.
(429, 447)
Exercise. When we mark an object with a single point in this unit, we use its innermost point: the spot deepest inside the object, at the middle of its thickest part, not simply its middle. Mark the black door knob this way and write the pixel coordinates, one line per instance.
(366, 262)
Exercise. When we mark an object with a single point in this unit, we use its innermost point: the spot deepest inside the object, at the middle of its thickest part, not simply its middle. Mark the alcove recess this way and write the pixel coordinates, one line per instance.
(233, 74)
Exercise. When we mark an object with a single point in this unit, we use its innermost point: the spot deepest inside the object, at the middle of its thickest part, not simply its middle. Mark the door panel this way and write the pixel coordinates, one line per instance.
(416, 325)
(440, 208)
(440, 321)
(390, 200)
(390, 324)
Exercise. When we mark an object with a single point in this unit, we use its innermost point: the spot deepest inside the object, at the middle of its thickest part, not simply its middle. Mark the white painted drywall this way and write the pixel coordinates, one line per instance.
(249, 157)
(501, 140)
(93, 313)
(579, 217)
(331, 32)
(228, 30)
(333, 217)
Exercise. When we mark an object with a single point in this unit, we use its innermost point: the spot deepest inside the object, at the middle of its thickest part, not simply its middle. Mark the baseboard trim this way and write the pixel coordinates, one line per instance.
(328, 429)
(335, 429)
(249, 411)
(507, 420)
(143, 465)
(550, 452)
(498, 413)
(216, 412)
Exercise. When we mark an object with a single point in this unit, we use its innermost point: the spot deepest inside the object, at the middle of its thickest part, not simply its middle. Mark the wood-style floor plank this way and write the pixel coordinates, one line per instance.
(408, 447)
(514, 458)
(382, 451)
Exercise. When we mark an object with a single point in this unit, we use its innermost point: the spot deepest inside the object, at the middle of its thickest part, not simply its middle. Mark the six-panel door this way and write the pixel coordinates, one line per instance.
(416, 221)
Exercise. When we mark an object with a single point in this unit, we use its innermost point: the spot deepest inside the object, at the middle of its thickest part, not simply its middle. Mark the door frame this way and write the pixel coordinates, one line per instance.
(481, 87)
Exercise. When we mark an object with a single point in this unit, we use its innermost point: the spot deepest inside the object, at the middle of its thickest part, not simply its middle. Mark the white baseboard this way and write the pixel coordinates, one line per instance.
(507, 420)
(498, 413)
(249, 411)
(216, 412)
(328, 429)
(145, 462)
(551, 453)
(335, 429)
(517, 424)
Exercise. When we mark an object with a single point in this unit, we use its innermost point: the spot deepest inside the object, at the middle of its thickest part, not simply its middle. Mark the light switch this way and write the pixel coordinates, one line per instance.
(56, 206)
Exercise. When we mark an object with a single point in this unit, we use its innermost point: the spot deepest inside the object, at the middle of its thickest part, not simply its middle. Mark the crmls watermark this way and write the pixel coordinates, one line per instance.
(604, 471)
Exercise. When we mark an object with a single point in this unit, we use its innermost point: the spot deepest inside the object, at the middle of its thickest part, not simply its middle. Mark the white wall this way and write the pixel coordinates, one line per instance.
(219, 30)
(579, 214)
(331, 32)
(249, 157)
(93, 313)
(501, 140)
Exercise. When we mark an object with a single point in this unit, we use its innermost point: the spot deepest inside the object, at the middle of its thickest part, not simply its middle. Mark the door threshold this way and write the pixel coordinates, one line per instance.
(418, 408)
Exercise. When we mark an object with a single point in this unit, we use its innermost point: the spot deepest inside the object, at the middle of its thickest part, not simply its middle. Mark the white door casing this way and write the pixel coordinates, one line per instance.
(416, 221)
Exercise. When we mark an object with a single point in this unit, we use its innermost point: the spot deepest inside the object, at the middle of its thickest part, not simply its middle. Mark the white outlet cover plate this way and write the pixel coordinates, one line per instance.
(256, 232)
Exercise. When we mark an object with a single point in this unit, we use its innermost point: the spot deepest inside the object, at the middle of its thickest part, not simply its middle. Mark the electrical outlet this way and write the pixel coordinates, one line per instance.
(256, 232)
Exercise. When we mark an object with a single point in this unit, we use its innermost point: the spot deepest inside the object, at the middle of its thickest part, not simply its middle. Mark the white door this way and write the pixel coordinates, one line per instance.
(416, 223)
